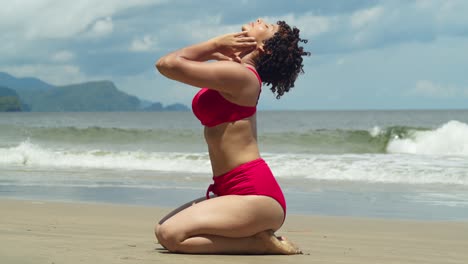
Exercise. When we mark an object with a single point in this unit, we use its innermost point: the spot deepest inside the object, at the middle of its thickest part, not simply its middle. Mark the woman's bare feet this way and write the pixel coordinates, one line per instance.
(277, 245)
(288, 244)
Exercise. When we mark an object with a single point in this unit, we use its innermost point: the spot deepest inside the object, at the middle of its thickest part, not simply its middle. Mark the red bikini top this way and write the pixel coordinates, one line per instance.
(212, 109)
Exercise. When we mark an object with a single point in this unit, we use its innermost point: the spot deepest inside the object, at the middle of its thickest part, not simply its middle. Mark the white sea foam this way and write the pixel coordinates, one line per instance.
(383, 168)
(449, 139)
(377, 168)
(375, 131)
(30, 155)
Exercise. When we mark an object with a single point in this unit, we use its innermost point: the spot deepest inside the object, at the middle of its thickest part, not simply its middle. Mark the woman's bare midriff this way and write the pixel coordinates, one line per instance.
(232, 144)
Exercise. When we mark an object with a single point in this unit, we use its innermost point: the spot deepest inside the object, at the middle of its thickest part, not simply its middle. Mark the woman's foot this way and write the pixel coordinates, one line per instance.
(288, 244)
(277, 245)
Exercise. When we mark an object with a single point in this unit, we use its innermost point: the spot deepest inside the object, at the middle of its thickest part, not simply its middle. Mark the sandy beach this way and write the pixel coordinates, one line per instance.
(52, 232)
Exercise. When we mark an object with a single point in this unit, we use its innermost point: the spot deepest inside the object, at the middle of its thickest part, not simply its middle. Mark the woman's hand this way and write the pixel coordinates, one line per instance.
(229, 46)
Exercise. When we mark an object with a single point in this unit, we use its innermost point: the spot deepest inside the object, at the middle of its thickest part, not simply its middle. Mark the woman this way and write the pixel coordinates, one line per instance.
(249, 206)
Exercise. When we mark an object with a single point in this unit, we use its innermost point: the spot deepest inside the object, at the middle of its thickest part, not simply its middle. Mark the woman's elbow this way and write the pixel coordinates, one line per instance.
(166, 66)
(161, 65)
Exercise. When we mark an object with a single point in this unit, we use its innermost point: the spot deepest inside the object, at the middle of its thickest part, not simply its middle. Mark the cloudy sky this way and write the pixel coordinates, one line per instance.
(367, 54)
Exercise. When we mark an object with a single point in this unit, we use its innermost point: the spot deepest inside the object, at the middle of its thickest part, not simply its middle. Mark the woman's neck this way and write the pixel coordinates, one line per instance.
(249, 58)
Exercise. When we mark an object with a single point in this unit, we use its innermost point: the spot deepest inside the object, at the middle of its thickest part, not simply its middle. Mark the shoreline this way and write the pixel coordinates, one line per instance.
(35, 231)
(384, 201)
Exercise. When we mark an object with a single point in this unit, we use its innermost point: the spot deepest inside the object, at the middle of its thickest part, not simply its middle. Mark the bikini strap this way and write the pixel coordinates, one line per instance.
(256, 74)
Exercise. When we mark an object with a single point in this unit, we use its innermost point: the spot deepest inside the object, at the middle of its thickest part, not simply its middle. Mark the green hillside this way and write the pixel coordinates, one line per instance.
(9, 100)
(99, 96)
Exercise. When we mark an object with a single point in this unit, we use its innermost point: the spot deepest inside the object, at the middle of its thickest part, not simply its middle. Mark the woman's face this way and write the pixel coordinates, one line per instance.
(260, 30)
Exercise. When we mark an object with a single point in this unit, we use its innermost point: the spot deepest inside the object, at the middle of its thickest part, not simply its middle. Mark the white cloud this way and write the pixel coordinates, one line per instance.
(364, 17)
(389, 23)
(309, 24)
(101, 27)
(146, 43)
(39, 19)
(63, 56)
(195, 30)
(340, 61)
(55, 74)
(211, 26)
(451, 18)
(423, 4)
(155, 87)
(430, 89)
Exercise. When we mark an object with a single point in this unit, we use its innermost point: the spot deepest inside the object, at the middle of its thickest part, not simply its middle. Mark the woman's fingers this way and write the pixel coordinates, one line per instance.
(246, 41)
(237, 59)
(246, 45)
(242, 33)
(242, 36)
(235, 42)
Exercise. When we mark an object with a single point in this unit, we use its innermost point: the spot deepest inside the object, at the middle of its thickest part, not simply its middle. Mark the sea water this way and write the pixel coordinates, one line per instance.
(391, 164)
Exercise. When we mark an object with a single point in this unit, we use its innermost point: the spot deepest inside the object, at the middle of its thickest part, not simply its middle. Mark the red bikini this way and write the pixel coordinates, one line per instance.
(251, 178)
(212, 109)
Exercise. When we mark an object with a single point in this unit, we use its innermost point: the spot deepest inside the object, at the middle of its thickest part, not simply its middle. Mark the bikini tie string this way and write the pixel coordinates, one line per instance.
(210, 189)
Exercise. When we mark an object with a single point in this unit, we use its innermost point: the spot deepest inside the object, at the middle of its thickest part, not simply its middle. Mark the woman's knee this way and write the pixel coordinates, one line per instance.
(169, 237)
(156, 230)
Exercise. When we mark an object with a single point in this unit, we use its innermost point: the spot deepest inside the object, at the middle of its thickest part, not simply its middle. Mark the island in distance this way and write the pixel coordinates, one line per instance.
(34, 95)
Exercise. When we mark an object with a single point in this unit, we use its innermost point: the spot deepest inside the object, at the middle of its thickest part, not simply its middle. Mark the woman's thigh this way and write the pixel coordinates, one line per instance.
(228, 216)
(180, 208)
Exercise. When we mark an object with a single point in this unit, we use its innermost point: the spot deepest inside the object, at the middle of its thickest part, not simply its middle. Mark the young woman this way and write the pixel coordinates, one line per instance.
(249, 205)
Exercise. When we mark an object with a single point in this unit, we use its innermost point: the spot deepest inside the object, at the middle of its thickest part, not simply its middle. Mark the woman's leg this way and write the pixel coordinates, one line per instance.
(180, 208)
(230, 224)
(174, 212)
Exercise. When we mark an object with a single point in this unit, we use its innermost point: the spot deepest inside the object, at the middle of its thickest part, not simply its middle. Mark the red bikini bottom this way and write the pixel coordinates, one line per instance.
(251, 178)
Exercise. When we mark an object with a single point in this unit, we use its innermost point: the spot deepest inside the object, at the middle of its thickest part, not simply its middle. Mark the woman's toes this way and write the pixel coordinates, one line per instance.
(289, 247)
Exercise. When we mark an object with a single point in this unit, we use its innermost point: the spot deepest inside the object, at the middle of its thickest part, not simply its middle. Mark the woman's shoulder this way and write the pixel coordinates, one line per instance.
(239, 74)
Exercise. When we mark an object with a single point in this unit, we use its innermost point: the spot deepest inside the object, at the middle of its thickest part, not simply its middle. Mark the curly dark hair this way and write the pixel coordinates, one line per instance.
(281, 62)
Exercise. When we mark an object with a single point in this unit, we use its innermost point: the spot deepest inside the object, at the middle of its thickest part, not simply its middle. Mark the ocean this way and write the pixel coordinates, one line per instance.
(384, 164)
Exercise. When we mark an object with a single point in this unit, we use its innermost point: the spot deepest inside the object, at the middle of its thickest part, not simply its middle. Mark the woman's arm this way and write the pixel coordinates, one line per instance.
(226, 45)
(218, 56)
(198, 52)
(185, 65)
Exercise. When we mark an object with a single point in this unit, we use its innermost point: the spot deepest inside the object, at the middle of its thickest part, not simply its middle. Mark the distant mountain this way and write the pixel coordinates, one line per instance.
(145, 103)
(176, 107)
(156, 107)
(99, 96)
(4, 91)
(27, 83)
(9, 100)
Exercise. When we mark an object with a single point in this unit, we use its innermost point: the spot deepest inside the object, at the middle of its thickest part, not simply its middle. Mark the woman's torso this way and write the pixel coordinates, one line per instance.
(232, 144)
(230, 125)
